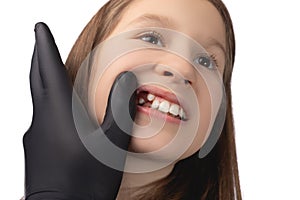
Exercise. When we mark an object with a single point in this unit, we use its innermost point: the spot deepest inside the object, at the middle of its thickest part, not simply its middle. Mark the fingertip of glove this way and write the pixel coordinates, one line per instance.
(128, 78)
(42, 32)
(40, 25)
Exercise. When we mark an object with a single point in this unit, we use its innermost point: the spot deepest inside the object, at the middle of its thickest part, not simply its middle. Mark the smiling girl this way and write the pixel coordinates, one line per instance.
(214, 176)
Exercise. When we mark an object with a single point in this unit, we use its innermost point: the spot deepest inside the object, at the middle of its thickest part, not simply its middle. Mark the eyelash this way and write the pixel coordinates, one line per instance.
(159, 37)
(154, 34)
(214, 59)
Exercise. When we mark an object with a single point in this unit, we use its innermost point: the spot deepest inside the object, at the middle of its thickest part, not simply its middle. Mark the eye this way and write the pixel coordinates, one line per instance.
(153, 38)
(206, 61)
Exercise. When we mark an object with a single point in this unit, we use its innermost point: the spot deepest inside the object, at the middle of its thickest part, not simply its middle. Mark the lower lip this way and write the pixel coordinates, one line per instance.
(158, 114)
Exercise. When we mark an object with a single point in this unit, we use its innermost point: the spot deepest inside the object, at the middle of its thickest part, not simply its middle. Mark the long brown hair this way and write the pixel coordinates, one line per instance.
(212, 177)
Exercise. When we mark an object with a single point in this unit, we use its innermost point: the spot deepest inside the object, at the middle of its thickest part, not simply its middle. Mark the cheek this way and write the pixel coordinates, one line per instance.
(103, 88)
(103, 84)
(205, 110)
(100, 86)
(102, 94)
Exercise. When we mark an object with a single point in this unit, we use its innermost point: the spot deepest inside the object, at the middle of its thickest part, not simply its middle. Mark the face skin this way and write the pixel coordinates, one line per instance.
(201, 21)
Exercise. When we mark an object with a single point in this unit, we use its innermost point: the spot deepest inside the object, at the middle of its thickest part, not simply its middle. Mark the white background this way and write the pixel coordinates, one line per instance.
(266, 87)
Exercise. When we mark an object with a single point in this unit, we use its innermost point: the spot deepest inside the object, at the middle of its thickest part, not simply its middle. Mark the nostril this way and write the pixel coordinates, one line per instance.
(167, 73)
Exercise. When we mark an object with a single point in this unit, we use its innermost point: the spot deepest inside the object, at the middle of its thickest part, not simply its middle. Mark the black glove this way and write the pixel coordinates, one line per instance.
(57, 164)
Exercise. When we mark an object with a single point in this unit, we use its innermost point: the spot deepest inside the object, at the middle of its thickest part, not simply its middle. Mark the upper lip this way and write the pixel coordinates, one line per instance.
(169, 96)
(165, 94)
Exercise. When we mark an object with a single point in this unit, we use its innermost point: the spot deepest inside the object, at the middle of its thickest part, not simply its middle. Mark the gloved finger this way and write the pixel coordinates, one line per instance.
(52, 70)
(36, 84)
(121, 110)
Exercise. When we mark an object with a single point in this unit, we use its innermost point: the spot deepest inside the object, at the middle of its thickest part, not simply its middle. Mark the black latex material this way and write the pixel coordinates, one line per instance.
(57, 165)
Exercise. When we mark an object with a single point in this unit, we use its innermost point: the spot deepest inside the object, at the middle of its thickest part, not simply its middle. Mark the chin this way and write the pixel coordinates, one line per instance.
(151, 144)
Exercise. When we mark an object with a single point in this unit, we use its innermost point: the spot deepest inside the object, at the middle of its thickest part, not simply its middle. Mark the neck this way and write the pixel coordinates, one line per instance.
(131, 182)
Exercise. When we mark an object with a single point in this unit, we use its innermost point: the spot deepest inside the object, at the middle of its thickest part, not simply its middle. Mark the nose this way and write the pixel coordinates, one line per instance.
(176, 68)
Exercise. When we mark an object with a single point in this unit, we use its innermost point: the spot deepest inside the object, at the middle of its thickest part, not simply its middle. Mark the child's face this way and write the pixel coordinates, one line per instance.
(201, 21)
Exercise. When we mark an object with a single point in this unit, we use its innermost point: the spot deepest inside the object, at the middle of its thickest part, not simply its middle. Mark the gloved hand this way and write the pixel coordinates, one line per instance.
(57, 164)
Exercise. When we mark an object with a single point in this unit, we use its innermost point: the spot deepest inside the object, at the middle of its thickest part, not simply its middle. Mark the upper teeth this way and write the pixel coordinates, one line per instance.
(164, 106)
(150, 97)
(174, 109)
(155, 104)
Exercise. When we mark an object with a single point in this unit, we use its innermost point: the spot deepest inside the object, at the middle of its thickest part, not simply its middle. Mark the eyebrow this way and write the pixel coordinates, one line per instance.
(153, 20)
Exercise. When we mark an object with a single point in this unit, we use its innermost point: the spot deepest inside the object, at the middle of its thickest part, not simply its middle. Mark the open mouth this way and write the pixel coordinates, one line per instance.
(160, 100)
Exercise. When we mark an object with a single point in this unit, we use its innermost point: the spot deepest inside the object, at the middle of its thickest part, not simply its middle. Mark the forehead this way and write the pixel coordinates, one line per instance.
(197, 18)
